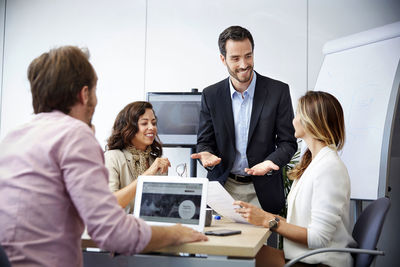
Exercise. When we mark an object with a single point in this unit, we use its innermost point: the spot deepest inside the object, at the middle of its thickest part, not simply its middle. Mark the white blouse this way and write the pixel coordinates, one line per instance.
(319, 201)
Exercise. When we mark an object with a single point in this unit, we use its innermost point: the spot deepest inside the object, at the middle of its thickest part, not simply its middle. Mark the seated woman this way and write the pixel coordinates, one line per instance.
(133, 149)
(318, 202)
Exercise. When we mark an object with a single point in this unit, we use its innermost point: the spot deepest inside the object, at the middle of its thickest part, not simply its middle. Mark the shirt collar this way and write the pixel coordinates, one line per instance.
(250, 90)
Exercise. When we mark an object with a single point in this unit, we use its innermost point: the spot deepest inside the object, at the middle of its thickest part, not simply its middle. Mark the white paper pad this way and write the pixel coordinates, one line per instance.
(222, 202)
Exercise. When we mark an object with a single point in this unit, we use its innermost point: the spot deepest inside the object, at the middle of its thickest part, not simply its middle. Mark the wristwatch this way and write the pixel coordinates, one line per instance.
(273, 224)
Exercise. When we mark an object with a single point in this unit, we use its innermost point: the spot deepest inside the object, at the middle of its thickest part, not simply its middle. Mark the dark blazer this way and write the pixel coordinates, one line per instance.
(271, 135)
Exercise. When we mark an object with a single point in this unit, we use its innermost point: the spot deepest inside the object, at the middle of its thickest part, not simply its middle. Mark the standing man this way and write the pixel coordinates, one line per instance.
(53, 180)
(245, 132)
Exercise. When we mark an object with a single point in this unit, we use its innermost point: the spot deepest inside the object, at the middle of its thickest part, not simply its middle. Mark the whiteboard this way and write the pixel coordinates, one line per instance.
(362, 71)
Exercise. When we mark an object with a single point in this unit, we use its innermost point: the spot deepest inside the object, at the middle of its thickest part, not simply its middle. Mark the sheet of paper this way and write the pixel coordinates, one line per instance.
(222, 202)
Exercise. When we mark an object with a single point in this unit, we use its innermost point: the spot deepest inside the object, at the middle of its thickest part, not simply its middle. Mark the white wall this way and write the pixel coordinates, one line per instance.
(114, 33)
(182, 50)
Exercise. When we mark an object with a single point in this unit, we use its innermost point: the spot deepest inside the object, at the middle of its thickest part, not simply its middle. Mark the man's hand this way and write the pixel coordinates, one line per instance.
(162, 236)
(262, 168)
(206, 158)
(185, 234)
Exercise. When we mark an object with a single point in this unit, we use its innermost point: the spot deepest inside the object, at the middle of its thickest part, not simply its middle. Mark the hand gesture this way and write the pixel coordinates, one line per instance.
(262, 168)
(207, 159)
(253, 214)
(160, 165)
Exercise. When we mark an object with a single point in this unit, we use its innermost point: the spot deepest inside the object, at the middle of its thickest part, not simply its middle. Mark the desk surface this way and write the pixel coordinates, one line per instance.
(247, 244)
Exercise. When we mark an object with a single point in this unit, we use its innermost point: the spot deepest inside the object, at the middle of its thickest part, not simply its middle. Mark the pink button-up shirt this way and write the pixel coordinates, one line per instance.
(52, 183)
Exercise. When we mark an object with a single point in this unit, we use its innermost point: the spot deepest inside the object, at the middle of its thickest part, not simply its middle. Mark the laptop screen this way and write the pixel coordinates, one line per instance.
(169, 200)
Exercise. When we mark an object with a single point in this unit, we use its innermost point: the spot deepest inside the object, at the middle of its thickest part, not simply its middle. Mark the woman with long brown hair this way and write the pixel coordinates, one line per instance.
(319, 200)
(133, 149)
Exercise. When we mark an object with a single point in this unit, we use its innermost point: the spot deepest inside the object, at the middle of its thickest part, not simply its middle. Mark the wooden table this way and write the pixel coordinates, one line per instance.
(235, 250)
(247, 244)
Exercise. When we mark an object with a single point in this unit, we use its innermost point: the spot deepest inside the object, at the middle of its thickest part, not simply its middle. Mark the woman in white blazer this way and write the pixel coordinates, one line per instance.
(318, 202)
(133, 149)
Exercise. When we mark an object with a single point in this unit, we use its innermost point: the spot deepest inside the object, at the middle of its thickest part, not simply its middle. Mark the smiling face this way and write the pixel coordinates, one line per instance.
(239, 61)
(147, 130)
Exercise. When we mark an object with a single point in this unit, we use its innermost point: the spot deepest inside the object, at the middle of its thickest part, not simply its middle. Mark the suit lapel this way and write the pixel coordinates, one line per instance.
(260, 94)
(226, 100)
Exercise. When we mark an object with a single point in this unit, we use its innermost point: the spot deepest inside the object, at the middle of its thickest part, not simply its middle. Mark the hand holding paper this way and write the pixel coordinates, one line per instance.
(222, 202)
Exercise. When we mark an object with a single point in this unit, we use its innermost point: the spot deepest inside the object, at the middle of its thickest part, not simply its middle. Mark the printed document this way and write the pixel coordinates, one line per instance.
(222, 202)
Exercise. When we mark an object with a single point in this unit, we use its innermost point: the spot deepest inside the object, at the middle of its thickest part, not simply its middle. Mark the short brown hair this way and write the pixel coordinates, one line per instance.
(235, 33)
(126, 126)
(57, 76)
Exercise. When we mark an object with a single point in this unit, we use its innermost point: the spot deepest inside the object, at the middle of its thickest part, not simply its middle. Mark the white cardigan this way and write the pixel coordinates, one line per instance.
(319, 201)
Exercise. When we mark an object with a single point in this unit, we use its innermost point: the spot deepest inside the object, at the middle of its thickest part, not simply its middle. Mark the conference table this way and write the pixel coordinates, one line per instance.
(230, 251)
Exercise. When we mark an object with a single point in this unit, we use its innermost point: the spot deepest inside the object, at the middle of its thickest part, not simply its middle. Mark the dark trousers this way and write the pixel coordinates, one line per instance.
(273, 240)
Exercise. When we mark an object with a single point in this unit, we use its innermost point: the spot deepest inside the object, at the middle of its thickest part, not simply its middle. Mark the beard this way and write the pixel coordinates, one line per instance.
(90, 111)
(234, 73)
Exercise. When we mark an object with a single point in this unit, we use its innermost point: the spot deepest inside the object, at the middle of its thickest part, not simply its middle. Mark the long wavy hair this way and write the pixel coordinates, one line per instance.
(321, 115)
(126, 126)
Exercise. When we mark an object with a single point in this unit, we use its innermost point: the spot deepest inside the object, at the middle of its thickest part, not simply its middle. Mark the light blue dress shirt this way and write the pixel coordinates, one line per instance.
(241, 108)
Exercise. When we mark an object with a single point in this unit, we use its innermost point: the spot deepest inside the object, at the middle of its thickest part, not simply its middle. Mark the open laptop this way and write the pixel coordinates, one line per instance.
(168, 200)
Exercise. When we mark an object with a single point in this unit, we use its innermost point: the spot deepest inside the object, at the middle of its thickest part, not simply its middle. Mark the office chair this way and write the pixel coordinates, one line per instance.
(366, 233)
(4, 262)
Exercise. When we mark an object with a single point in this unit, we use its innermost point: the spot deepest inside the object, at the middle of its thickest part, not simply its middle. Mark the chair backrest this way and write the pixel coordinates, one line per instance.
(3, 258)
(368, 228)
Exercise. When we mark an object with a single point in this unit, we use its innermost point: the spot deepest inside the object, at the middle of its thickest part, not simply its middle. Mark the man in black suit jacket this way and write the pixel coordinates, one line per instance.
(246, 121)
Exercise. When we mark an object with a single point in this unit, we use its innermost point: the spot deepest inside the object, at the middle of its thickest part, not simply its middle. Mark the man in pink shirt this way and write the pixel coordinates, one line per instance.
(53, 180)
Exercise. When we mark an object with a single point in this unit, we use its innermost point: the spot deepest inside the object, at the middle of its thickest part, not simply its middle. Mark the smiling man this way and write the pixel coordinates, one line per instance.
(245, 132)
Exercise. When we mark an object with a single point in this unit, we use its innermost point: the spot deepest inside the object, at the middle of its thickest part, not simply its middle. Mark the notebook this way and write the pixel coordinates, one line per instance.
(168, 200)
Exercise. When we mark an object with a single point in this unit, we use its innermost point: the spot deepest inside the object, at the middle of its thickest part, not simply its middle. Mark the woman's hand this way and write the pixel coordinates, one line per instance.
(160, 165)
(257, 216)
(253, 214)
